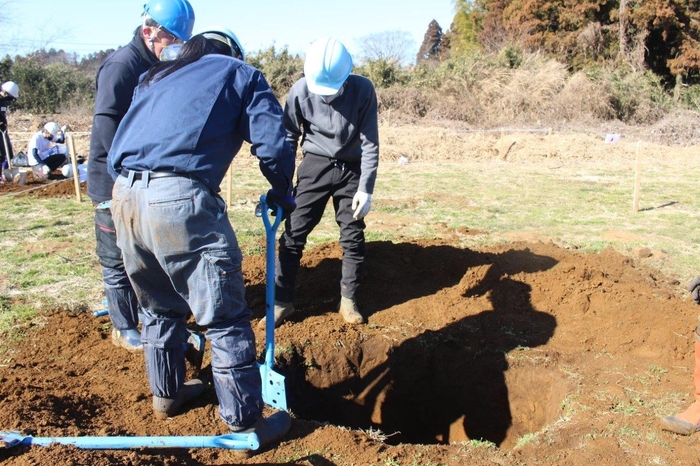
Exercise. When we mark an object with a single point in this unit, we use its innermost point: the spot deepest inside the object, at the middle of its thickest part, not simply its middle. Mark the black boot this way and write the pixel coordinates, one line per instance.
(270, 430)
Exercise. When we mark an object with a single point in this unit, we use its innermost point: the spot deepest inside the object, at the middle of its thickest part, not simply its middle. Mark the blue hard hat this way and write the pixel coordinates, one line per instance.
(177, 16)
(328, 64)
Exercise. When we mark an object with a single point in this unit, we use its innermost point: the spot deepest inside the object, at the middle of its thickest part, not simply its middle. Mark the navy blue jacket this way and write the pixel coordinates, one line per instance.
(115, 83)
(195, 120)
(4, 102)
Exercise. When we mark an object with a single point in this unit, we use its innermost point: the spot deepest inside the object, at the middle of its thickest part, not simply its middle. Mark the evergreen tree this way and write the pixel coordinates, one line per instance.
(430, 48)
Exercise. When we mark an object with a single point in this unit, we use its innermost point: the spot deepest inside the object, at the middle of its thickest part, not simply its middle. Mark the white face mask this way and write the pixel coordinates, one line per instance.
(170, 52)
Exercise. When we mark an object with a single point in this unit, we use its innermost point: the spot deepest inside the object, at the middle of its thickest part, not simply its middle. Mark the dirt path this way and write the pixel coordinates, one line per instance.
(552, 356)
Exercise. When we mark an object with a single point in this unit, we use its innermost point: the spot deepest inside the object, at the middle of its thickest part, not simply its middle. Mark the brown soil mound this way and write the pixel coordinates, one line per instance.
(553, 356)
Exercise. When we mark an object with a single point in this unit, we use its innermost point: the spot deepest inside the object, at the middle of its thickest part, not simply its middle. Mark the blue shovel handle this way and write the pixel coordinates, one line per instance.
(270, 237)
(233, 441)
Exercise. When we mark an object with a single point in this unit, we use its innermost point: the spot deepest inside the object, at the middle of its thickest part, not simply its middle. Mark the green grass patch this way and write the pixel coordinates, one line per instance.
(48, 244)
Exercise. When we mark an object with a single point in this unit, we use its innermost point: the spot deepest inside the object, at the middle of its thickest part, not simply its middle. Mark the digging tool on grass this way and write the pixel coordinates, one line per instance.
(273, 391)
(233, 441)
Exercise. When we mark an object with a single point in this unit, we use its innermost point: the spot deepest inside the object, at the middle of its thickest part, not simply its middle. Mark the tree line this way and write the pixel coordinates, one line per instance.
(662, 36)
(640, 54)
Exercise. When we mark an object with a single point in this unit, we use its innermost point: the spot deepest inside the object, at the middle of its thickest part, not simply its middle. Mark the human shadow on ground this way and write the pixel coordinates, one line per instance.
(440, 384)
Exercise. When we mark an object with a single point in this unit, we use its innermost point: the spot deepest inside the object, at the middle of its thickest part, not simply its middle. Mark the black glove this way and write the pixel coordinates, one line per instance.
(285, 202)
(694, 289)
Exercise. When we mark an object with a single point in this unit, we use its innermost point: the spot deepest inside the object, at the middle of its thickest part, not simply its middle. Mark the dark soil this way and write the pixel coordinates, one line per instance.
(494, 345)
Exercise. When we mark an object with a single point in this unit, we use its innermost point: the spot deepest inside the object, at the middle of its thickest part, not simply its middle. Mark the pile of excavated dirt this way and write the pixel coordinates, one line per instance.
(492, 345)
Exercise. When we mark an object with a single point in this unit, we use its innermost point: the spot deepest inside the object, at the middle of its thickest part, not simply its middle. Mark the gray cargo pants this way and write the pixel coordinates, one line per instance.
(182, 256)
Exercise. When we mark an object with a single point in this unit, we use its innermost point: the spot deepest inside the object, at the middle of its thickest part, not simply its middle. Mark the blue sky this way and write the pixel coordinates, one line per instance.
(87, 26)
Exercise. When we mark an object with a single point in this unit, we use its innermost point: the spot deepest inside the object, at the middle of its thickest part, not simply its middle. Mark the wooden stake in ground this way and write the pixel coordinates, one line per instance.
(74, 163)
(229, 185)
(637, 183)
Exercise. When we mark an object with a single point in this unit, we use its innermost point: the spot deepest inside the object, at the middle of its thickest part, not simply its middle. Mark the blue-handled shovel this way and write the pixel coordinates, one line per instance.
(233, 441)
(273, 391)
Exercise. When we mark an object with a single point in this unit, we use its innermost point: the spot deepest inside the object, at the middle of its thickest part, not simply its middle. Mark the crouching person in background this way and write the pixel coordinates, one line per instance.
(46, 150)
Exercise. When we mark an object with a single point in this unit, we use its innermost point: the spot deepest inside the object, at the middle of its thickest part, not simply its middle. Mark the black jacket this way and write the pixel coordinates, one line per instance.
(116, 80)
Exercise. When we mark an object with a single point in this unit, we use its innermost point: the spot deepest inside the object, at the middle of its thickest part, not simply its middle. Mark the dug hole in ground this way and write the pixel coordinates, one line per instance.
(517, 353)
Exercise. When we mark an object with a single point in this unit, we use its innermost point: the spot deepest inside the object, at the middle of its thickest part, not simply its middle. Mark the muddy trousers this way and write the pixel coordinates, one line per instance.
(318, 180)
(182, 257)
(121, 300)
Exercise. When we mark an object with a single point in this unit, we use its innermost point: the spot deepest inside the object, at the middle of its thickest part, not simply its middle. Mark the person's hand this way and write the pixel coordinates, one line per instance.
(274, 200)
(361, 203)
(41, 171)
(694, 289)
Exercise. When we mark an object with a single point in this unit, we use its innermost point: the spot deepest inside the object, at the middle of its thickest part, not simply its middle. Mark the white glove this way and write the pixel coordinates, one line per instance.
(361, 203)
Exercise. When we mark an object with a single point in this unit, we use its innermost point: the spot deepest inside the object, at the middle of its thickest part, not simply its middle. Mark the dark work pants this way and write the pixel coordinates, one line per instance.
(319, 179)
(121, 299)
(54, 161)
(5, 147)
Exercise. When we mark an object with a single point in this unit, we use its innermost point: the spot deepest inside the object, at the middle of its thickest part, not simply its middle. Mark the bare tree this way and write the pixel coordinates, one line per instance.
(623, 29)
(41, 37)
(391, 46)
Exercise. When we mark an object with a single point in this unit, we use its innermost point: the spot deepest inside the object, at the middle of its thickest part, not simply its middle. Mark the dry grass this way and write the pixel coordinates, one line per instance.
(486, 93)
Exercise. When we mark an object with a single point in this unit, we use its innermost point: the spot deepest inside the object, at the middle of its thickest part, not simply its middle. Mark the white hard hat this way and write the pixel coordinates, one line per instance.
(52, 128)
(11, 88)
(225, 35)
(328, 64)
(67, 170)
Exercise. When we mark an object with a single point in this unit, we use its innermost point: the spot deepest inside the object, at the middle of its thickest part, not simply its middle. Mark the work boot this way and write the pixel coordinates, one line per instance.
(129, 339)
(688, 421)
(270, 430)
(282, 311)
(348, 309)
(164, 407)
(194, 350)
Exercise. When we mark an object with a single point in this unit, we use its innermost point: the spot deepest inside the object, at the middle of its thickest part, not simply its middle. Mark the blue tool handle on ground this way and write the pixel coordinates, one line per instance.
(233, 441)
(100, 313)
(270, 237)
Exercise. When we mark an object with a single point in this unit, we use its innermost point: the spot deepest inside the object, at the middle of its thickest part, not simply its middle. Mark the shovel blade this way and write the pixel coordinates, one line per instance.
(273, 391)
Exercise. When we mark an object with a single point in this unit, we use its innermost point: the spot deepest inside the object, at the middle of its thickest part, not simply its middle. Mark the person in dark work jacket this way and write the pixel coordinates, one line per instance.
(188, 119)
(9, 92)
(334, 113)
(164, 22)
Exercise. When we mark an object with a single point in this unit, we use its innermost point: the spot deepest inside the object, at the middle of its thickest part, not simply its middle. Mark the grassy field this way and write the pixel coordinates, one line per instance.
(576, 193)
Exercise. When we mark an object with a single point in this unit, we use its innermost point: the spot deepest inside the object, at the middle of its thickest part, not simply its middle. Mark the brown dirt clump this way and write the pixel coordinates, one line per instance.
(573, 353)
